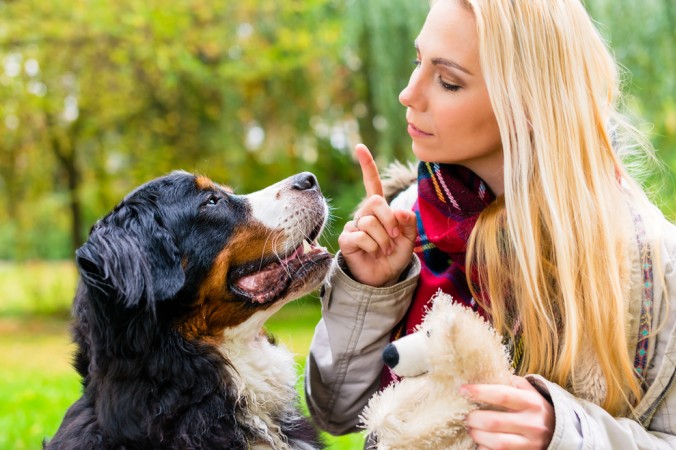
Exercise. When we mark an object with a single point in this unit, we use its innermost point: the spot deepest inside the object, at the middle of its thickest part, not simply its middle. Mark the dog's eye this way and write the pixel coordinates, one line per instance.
(212, 200)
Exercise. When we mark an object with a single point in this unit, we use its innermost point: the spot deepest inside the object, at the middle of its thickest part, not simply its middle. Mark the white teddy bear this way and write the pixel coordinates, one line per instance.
(453, 346)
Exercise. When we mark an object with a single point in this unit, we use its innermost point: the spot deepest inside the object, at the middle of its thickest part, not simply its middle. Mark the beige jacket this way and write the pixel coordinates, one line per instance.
(344, 364)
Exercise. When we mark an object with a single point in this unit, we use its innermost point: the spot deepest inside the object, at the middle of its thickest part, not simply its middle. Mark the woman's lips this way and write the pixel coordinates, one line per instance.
(416, 132)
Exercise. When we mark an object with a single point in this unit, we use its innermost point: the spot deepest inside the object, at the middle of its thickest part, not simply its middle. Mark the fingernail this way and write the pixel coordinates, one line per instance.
(395, 232)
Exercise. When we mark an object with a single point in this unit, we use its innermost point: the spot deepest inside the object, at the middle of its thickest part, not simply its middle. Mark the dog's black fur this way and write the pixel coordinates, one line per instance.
(158, 287)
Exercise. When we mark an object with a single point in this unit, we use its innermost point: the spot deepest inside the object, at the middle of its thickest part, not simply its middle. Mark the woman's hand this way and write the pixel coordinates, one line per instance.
(519, 418)
(378, 243)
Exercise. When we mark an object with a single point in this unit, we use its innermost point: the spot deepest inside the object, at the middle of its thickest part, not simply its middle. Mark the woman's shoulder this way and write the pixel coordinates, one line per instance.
(655, 406)
(650, 227)
(654, 293)
(667, 254)
(655, 235)
(663, 232)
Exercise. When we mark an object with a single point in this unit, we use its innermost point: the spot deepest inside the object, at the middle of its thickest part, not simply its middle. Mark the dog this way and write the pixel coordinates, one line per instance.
(175, 285)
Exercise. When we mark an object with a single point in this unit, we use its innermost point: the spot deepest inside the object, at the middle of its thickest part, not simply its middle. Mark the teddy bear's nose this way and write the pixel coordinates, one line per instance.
(391, 356)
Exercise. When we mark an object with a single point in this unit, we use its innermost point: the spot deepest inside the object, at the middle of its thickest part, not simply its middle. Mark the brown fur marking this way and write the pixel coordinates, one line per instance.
(216, 308)
(205, 184)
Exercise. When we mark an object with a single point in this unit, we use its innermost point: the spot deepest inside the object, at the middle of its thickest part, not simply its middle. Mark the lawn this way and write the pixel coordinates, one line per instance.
(37, 383)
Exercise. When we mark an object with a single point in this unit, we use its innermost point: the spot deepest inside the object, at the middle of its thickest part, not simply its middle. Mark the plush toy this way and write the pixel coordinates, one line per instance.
(453, 346)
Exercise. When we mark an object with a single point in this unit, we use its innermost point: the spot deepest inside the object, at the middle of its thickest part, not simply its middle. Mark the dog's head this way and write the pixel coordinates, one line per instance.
(199, 257)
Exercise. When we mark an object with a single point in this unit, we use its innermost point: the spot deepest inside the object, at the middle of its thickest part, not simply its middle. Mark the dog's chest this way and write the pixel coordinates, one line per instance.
(265, 378)
(266, 371)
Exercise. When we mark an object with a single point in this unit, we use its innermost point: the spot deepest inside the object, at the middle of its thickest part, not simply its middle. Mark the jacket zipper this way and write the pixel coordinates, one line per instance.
(651, 410)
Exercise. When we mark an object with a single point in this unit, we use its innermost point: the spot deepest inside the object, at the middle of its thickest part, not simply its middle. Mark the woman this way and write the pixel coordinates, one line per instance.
(525, 212)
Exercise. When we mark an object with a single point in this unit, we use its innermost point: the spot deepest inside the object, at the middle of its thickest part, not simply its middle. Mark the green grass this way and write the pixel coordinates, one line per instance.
(37, 383)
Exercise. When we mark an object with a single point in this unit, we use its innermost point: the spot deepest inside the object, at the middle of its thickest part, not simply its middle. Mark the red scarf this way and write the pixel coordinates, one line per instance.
(450, 199)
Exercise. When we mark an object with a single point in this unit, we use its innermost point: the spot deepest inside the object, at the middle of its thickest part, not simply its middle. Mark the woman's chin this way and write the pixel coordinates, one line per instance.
(424, 153)
(420, 155)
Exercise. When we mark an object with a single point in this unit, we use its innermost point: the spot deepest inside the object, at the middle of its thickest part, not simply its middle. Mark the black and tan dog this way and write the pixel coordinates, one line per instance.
(176, 283)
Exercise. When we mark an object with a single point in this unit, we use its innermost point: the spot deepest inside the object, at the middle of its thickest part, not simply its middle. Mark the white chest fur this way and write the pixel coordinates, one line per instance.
(265, 377)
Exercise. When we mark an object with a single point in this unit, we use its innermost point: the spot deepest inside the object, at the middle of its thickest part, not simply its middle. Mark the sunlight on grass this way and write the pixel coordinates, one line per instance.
(37, 382)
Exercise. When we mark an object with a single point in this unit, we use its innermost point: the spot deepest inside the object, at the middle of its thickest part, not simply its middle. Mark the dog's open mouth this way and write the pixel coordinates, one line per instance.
(267, 282)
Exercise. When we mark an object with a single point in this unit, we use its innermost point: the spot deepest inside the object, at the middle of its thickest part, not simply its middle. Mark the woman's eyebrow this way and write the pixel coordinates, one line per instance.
(444, 62)
(449, 63)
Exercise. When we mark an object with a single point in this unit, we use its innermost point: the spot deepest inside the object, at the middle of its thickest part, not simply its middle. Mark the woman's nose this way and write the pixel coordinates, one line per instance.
(411, 96)
(405, 96)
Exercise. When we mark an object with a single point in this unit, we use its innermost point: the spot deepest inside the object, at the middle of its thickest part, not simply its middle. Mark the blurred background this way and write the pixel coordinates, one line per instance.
(97, 97)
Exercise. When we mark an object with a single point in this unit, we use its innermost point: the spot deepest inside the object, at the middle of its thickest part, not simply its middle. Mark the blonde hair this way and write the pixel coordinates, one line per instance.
(562, 227)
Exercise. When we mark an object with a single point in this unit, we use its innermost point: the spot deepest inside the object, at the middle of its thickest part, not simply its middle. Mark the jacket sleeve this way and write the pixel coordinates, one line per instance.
(584, 425)
(344, 364)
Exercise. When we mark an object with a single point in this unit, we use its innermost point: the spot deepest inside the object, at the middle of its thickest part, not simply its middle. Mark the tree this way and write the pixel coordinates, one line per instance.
(380, 51)
(120, 92)
(643, 36)
(98, 97)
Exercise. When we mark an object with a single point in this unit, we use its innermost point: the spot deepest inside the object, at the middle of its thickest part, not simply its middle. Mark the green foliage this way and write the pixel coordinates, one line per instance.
(643, 36)
(37, 289)
(381, 51)
(97, 97)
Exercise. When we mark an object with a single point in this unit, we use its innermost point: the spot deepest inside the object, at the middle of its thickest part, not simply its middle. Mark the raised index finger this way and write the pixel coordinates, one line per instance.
(369, 171)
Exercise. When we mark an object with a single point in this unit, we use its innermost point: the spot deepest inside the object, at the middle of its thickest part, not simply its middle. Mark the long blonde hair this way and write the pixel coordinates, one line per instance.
(563, 229)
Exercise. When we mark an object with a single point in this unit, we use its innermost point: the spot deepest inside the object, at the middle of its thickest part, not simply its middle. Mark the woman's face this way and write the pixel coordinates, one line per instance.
(449, 114)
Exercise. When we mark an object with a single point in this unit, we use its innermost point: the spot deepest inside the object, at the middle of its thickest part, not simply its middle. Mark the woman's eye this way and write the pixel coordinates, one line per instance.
(448, 86)
(416, 63)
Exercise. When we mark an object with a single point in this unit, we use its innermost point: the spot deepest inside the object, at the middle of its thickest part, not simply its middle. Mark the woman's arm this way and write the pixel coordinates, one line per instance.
(582, 424)
(344, 365)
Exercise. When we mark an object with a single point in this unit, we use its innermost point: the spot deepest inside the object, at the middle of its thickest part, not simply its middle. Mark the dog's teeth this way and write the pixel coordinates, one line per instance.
(306, 246)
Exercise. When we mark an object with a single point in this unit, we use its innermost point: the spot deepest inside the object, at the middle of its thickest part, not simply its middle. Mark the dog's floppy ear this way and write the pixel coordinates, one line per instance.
(130, 255)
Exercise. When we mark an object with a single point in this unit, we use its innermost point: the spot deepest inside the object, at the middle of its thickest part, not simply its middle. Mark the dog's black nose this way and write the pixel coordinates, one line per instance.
(306, 181)
(391, 356)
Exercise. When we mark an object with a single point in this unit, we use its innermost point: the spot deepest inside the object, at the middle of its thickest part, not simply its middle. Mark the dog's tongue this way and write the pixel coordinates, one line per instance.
(260, 280)
(265, 284)
(271, 280)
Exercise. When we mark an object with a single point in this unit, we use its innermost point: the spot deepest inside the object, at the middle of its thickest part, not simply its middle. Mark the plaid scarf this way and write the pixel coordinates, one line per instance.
(450, 199)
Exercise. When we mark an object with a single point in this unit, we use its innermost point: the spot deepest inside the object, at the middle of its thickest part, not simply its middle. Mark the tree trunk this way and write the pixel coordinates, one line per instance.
(64, 150)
